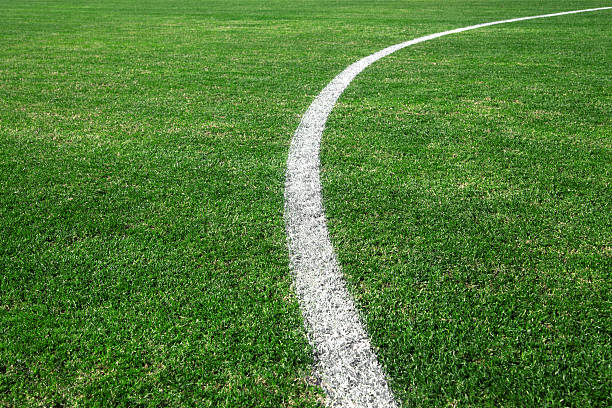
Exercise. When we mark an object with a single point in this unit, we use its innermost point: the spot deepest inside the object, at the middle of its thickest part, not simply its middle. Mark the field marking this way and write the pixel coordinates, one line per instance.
(345, 361)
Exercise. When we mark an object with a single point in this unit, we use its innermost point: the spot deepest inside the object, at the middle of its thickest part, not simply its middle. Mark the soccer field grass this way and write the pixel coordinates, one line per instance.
(467, 184)
(143, 258)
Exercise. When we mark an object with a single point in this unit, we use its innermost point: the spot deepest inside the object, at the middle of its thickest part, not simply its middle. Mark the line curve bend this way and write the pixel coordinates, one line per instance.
(345, 361)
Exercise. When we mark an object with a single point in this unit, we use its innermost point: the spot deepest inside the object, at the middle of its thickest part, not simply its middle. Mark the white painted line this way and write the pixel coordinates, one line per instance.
(346, 363)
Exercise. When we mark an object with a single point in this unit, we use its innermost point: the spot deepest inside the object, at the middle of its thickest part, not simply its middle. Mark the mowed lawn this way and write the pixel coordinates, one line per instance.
(142, 247)
(467, 183)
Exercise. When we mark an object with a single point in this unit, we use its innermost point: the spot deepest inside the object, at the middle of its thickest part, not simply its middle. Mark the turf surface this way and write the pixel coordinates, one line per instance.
(467, 182)
(142, 247)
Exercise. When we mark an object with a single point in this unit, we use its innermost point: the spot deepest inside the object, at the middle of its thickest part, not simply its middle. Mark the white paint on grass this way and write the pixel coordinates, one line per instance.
(346, 363)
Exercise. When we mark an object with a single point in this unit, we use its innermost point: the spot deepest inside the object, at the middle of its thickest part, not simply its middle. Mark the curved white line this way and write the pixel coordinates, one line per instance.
(349, 370)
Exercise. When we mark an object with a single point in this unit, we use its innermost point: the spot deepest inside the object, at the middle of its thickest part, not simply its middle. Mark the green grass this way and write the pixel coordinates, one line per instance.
(467, 182)
(142, 245)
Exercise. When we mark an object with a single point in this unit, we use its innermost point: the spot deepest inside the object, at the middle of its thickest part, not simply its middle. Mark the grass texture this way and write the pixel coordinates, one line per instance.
(467, 182)
(142, 247)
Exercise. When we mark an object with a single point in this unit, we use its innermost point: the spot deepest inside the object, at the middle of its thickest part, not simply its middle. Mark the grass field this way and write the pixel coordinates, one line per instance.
(468, 187)
(143, 259)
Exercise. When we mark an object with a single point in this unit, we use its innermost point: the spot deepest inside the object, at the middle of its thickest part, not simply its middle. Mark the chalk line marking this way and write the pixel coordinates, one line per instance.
(345, 361)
